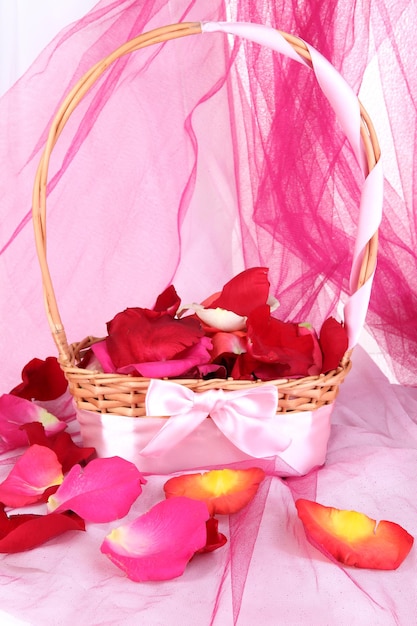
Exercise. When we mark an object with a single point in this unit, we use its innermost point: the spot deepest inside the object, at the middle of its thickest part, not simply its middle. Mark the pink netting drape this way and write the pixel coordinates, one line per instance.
(192, 160)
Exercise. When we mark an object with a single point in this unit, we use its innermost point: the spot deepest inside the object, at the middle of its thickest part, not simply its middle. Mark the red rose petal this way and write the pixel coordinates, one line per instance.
(244, 292)
(143, 336)
(159, 544)
(272, 341)
(24, 532)
(67, 451)
(196, 355)
(42, 380)
(215, 539)
(224, 491)
(333, 342)
(101, 492)
(168, 301)
(353, 538)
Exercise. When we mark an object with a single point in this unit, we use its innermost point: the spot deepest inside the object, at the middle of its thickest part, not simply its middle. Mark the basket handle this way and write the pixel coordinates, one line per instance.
(349, 111)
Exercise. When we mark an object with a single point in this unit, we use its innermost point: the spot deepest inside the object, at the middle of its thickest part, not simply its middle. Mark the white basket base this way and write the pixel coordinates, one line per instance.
(114, 435)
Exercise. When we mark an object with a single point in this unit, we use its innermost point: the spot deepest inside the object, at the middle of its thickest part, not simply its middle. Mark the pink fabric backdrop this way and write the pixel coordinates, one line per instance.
(177, 167)
(259, 194)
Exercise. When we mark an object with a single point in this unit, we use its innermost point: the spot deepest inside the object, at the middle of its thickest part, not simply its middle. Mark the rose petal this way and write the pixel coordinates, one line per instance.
(62, 407)
(244, 292)
(101, 492)
(246, 367)
(141, 336)
(36, 471)
(219, 319)
(228, 343)
(273, 341)
(224, 491)
(42, 380)
(353, 538)
(14, 412)
(197, 355)
(333, 343)
(67, 451)
(316, 368)
(215, 539)
(159, 544)
(168, 301)
(24, 532)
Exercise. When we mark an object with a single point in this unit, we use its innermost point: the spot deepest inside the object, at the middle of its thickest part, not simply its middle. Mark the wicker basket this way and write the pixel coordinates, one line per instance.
(124, 395)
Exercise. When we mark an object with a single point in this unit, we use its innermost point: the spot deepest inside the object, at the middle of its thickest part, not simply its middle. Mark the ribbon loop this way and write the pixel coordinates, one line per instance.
(246, 417)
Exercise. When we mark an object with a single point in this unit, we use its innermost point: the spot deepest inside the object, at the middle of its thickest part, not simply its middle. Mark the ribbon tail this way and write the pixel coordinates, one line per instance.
(175, 429)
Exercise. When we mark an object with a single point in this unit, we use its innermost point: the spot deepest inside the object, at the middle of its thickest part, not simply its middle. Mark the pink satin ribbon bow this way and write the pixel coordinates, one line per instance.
(246, 417)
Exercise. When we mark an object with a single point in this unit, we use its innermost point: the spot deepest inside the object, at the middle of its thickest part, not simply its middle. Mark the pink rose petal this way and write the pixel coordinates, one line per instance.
(101, 492)
(159, 544)
(14, 412)
(228, 343)
(37, 470)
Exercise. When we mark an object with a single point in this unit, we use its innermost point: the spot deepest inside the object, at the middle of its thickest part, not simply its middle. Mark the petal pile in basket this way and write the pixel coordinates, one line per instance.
(232, 334)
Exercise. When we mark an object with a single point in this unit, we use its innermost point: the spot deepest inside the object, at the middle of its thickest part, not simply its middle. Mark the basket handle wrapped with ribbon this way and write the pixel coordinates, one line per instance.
(126, 395)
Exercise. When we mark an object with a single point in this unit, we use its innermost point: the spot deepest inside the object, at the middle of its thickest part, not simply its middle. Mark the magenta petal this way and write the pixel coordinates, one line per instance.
(14, 412)
(159, 544)
(101, 353)
(192, 357)
(101, 492)
(37, 470)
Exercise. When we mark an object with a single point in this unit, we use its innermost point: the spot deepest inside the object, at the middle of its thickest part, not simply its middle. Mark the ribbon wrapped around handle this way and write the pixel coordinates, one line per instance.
(246, 417)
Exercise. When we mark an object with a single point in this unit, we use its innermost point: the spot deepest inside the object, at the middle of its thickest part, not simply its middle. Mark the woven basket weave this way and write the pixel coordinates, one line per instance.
(125, 394)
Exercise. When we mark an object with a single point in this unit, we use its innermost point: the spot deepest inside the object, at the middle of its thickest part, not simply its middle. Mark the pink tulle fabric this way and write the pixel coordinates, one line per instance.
(189, 161)
(185, 164)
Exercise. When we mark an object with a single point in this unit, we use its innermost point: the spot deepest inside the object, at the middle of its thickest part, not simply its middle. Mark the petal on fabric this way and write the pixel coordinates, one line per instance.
(101, 492)
(244, 292)
(35, 472)
(27, 531)
(333, 342)
(67, 451)
(159, 544)
(15, 411)
(215, 539)
(224, 491)
(353, 538)
(41, 380)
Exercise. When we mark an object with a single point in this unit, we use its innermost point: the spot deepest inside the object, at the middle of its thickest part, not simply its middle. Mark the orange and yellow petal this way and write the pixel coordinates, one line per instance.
(224, 491)
(354, 538)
